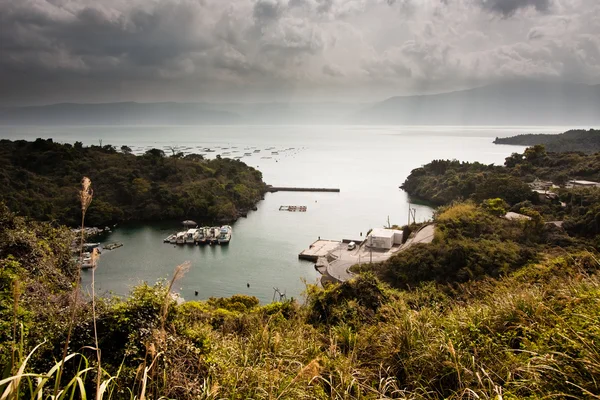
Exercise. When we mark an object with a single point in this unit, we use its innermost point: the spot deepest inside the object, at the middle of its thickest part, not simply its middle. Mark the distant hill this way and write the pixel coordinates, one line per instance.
(131, 113)
(523, 103)
(128, 113)
(518, 103)
(573, 140)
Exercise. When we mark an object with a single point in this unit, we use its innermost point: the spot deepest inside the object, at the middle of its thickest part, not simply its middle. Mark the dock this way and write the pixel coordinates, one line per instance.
(274, 189)
(319, 248)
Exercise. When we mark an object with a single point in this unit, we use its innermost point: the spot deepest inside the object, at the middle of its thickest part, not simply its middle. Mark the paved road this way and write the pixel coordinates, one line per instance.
(425, 235)
(338, 268)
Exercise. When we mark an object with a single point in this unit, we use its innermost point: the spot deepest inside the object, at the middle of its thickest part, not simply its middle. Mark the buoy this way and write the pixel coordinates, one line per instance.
(196, 293)
(247, 284)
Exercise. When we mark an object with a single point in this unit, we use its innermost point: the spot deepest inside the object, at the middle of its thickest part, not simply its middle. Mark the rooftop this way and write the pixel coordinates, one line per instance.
(382, 232)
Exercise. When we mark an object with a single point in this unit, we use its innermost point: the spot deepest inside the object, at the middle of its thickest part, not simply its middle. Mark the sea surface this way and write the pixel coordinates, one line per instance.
(367, 163)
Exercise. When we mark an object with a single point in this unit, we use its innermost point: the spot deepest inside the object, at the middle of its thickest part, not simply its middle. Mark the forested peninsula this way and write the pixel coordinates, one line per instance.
(572, 140)
(443, 181)
(36, 180)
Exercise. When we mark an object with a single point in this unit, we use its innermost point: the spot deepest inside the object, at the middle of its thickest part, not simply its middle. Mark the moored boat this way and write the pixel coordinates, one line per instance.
(180, 238)
(199, 236)
(225, 234)
(213, 236)
(189, 236)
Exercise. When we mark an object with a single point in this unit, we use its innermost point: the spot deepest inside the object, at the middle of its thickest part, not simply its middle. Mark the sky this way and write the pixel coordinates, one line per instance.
(287, 50)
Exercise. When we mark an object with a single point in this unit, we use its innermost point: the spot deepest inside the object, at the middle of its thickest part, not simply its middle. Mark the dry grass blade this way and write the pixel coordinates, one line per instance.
(179, 272)
(85, 197)
(86, 193)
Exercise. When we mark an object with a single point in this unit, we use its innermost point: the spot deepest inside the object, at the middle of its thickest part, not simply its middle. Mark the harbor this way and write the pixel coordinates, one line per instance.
(333, 258)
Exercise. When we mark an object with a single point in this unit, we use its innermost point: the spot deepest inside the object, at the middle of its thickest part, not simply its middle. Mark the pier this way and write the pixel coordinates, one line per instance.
(319, 248)
(274, 189)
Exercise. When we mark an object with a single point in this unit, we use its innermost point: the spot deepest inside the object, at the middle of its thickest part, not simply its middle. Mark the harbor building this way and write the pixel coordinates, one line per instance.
(381, 238)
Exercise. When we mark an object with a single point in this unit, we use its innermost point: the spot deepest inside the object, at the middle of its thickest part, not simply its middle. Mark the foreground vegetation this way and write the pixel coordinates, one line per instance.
(573, 140)
(36, 180)
(491, 309)
(531, 332)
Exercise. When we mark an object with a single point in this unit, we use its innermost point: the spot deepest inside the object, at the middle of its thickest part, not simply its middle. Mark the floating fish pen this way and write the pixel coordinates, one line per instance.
(293, 208)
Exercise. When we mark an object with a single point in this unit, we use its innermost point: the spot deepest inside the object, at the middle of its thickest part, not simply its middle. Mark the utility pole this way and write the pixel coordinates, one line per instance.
(412, 212)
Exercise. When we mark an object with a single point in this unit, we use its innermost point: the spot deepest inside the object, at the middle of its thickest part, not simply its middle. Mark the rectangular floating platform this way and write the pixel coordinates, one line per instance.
(293, 208)
(320, 248)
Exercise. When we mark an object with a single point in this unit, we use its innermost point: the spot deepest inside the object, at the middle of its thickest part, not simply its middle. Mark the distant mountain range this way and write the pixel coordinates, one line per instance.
(526, 103)
(128, 113)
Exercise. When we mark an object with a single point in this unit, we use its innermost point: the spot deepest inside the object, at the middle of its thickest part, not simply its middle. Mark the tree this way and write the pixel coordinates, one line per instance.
(156, 153)
(513, 160)
(535, 154)
(126, 149)
(495, 206)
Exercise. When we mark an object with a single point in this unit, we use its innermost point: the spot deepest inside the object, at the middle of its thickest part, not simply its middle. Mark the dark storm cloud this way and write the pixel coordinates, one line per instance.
(138, 37)
(509, 7)
(267, 10)
(198, 49)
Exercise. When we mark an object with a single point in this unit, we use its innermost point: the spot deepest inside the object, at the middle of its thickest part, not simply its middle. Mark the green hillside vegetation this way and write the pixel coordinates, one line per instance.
(36, 180)
(531, 333)
(442, 182)
(572, 140)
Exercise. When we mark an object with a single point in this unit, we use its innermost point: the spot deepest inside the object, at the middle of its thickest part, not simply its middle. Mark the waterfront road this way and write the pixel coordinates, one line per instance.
(344, 258)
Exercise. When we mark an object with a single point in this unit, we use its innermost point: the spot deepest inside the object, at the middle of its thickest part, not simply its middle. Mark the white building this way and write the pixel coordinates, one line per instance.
(380, 238)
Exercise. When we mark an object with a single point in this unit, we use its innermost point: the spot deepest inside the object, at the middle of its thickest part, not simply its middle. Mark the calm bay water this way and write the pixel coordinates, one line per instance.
(366, 163)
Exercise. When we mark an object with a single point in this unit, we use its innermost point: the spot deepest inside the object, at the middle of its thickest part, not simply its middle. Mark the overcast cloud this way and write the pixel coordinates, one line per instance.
(263, 50)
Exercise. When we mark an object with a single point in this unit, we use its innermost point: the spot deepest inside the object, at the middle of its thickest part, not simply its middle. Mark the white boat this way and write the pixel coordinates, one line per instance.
(225, 234)
(213, 235)
(199, 236)
(180, 238)
(189, 236)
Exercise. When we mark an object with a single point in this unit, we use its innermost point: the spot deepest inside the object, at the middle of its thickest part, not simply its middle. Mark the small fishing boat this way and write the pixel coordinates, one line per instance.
(225, 234)
(170, 238)
(189, 236)
(199, 236)
(213, 236)
(180, 239)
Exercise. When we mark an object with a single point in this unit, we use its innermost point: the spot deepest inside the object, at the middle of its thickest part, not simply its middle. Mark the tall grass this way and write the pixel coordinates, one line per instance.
(85, 197)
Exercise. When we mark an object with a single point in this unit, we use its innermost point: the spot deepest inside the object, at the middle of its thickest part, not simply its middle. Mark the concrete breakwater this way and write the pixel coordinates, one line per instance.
(274, 189)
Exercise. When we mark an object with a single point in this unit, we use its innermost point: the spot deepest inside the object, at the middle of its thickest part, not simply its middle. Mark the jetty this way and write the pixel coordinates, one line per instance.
(319, 248)
(273, 189)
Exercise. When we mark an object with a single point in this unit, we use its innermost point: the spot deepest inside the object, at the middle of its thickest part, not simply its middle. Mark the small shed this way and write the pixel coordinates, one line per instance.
(384, 238)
